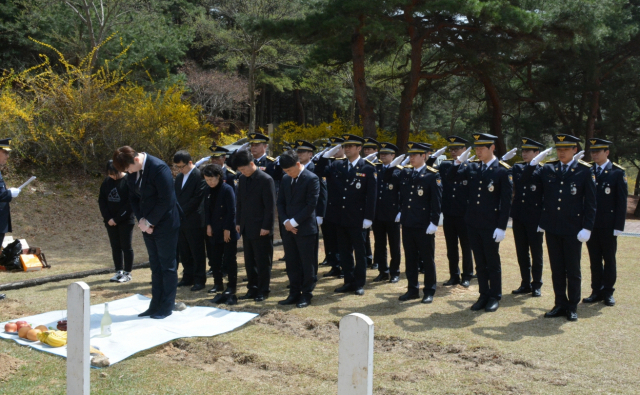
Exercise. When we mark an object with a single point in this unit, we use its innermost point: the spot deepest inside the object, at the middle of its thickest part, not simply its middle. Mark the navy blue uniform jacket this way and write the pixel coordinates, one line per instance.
(5, 211)
(388, 204)
(455, 194)
(612, 206)
(321, 207)
(420, 197)
(527, 200)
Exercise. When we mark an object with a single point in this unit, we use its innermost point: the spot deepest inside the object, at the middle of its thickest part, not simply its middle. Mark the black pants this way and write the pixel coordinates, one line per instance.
(258, 254)
(224, 254)
(602, 246)
(487, 255)
(351, 240)
(419, 246)
(381, 231)
(301, 262)
(455, 229)
(192, 249)
(330, 237)
(120, 237)
(564, 257)
(527, 239)
(161, 247)
(210, 255)
(367, 243)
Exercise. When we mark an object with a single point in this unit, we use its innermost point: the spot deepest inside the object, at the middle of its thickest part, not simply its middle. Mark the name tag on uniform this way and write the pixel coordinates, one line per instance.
(263, 168)
(360, 175)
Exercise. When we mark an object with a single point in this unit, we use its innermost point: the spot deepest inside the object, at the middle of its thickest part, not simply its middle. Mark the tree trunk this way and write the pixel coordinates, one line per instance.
(591, 120)
(494, 107)
(360, 84)
(271, 106)
(263, 99)
(299, 107)
(252, 93)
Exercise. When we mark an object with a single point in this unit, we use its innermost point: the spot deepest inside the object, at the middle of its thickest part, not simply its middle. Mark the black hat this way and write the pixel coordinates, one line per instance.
(418, 148)
(326, 144)
(286, 145)
(484, 139)
(352, 139)
(302, 145)
(370, 143)
(388, 148)
(528, 143)
(218, 151)
(258, 138)
(336, 140)
(565, 140)
(456, 141)
(600, 144)
(5, 144)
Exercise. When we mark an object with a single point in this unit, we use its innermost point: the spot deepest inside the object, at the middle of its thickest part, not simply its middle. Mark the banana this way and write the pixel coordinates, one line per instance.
(53, 338)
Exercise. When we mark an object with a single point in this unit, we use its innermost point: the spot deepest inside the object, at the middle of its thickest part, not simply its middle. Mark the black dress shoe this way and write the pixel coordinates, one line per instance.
(345, 288)
(248, 295)
(536, 293)
(557, 311)
(284, 258)
(609, 300)
(147, 313)
(161, 315)
(427, 299)
(481, 303)
(334, 272)
(409, 296)
(324, 263)
(492, 305)
(231, 300)
(260, 297)
(216, 288)
(572, 316)
(452, 281)
(210, 273)
(465, 283)
(197, 287)
(183, 283)
(474, 276)
(291, 299)
(594, 297)
(381, 277)
(220, 298)
(374, 266)
(304, 302)
(521, 290)
(230, 290)
(394, 279)
(359, 291)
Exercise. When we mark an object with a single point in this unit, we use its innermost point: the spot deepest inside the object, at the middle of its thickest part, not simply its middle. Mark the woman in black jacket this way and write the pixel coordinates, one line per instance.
(118, 218)
(220, 217)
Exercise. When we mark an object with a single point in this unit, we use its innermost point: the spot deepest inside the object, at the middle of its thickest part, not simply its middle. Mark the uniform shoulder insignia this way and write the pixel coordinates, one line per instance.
(521, 163)
(506, 166)
(475, 161)
(371, 163)
(399, 167)
(271, 159)
(583, 163)
(231, 171)
(431, 169)
(408, 167)
(618, 166)
(552, 162)
(338, 158)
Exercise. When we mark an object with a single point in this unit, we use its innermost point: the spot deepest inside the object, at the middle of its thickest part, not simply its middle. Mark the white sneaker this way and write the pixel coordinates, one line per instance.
(117, 276)
(126, 277)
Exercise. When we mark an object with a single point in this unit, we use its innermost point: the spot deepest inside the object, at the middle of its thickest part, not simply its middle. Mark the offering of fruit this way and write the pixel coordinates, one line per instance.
(42, 328)
(10, 327)
(62, 325)
(53, 338)
(22, 332)
(32, 334)
(20, 324)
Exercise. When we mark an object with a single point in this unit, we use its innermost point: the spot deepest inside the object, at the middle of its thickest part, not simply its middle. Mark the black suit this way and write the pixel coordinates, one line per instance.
(220, 214)
(255, 209)
(5, 210)
(321, 207)
(191, 241)
(297, 201)
(153, 198)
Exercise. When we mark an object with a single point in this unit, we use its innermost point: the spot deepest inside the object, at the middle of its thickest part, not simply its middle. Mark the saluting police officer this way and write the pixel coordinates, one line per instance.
(455, 198)
(6, 194)
(387, 208)
(611, 198)
(258, 147)
(351, 184)
(490, 189)
(420, 200)
(329, 224)
(525, 212)
(568, 215)
(369, 147)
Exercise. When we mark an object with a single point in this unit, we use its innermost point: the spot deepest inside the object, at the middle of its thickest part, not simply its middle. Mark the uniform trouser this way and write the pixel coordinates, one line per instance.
(456, 229)
(602, 246)
(258, 254)
(191, 242)
(224, 255)
(210, 255)
(527, 239)
(381, 231)
(301, 262)
(330, 237)
(564, 258)
(487, 256)
(161, 247)
(419, 246)
(316, 252)
(367, 243)
(351, 240)
(120, 237)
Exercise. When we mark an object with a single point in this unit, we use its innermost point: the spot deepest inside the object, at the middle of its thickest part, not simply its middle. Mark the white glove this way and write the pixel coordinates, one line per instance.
(397, 160)
(366, 224)
(584, 235)
(540, 230)
(202, 161)
(319, 220)
(404, 162)
(398, 217)
(439, 152)
(578, 156)
(244, 146)
(432, 229)
(463, 156)
(509, 154)
(277, 161)
(14, 192)
(332, 151)
(316, 156)
(617, 232)
(372, 157)
(498, 235)
(540, 157)
(472, 158)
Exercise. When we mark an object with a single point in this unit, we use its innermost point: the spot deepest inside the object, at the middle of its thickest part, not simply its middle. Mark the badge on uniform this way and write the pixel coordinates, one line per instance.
(510, 179)
(593, 177)
(391, 187)
(439, 182)
(420, 192)
(358, 185)
(574, 190)
(607, 190)
(491, 188)
(533, 188)
(263, 168)
(464, 182)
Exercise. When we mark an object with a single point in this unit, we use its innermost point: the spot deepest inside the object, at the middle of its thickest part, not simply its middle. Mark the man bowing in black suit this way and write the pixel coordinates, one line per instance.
(297, 200)
(154, 203)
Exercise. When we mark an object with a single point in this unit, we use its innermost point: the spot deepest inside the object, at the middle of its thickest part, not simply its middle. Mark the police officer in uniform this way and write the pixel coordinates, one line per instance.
(525, 212)
(455, 197)
(218, 157)
(329, 224)
(6, 194)
(490, 189)
(387, 208)
(351, 183)
(568, 215)
(369, 147)
(611, 198)
(258, 147)
(420, 202)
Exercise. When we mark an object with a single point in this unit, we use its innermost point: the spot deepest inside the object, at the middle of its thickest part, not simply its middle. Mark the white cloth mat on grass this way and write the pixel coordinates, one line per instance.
(132, 334)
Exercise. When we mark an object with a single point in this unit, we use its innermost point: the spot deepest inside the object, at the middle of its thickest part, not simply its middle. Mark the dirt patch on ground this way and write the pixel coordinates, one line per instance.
(299, 327)
(12, 308)
(8, 366)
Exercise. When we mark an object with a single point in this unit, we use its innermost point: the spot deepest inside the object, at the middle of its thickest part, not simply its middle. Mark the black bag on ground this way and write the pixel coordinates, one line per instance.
(10, 257)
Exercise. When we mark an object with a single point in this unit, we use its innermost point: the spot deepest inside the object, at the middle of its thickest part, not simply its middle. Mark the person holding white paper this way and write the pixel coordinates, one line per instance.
(6, 195)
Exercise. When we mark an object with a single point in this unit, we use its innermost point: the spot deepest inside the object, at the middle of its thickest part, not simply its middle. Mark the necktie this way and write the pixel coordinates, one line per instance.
(415, 173)
(564, 168)
(598, 171)
(350, 166)
(138, 181)
(484, 167)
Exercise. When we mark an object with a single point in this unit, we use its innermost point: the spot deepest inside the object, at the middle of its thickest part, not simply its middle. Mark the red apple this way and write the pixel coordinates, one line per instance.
(20, 324)
(11, 327)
